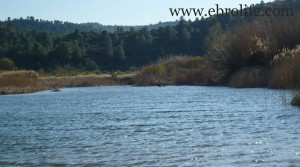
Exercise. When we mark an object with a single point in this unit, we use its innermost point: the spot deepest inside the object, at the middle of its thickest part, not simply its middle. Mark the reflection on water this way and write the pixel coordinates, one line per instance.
(149, 126)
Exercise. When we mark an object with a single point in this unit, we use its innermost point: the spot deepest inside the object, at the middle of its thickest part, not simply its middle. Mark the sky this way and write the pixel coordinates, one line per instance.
(108, 12)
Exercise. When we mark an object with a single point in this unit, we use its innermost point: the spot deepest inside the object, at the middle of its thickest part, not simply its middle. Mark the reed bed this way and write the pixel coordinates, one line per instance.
(76, 81)
(18, 82)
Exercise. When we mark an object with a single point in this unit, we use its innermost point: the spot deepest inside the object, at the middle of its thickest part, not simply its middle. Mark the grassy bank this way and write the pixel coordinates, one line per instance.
(12, 82)
(18, 82)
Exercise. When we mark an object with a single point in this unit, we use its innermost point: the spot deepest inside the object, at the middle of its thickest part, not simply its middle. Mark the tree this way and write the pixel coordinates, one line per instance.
(107, 45)
(62, 54)
(119, 52)
(37, 57)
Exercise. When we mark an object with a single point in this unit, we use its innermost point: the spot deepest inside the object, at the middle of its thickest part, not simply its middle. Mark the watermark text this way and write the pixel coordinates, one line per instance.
(241, 10)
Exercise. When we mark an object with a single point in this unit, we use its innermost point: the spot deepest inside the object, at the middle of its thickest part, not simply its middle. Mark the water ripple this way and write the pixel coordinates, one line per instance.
(149, 126)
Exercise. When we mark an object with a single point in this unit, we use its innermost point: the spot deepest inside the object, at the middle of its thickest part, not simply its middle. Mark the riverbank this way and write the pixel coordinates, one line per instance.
(187, 70)
(174, 71)
(20, 82)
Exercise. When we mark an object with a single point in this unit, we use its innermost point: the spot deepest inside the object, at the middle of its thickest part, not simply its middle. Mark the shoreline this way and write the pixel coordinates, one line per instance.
(56, 83)
(53, 83)
(24, 82)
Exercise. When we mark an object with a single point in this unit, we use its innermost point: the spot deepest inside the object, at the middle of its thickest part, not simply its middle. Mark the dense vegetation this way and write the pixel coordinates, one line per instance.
(34, 49)
(263, 52)
(177, 70)
(39, 44)
(43, 45)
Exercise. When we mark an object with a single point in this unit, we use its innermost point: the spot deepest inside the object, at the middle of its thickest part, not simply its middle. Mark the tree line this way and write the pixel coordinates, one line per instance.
(118, 50)
(60, 27)
(122, 49)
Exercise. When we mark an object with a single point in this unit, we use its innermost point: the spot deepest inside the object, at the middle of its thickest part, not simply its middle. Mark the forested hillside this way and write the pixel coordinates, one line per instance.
(43, 48)
(60, 27)
(120, 50)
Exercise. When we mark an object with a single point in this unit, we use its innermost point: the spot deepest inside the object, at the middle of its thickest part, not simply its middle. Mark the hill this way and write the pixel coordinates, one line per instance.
(47, 45)
(59, 27)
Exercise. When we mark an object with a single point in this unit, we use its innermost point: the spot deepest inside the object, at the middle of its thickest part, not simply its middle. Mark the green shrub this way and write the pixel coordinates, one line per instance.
(7, 64)
(195, 62)
(179, 70)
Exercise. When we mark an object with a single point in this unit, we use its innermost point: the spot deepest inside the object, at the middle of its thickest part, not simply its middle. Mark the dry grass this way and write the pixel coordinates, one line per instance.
(12, 82)
(18, 78)
(76, 81)
(286, 67)
(17, 82)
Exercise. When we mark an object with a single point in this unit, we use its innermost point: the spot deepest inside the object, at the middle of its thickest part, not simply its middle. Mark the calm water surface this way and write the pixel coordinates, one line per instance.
(150, 126)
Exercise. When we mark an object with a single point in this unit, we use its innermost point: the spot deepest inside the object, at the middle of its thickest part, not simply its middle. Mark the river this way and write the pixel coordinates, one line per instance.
(150, 126)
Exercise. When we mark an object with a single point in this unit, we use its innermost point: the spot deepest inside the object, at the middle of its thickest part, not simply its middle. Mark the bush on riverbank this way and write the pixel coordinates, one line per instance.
(243, 46)
(176, 70)
(258, 44)
(270, 43)
(7, 64)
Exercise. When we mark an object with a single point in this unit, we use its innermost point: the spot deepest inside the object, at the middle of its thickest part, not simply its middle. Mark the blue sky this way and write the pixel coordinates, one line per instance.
(107, 12)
